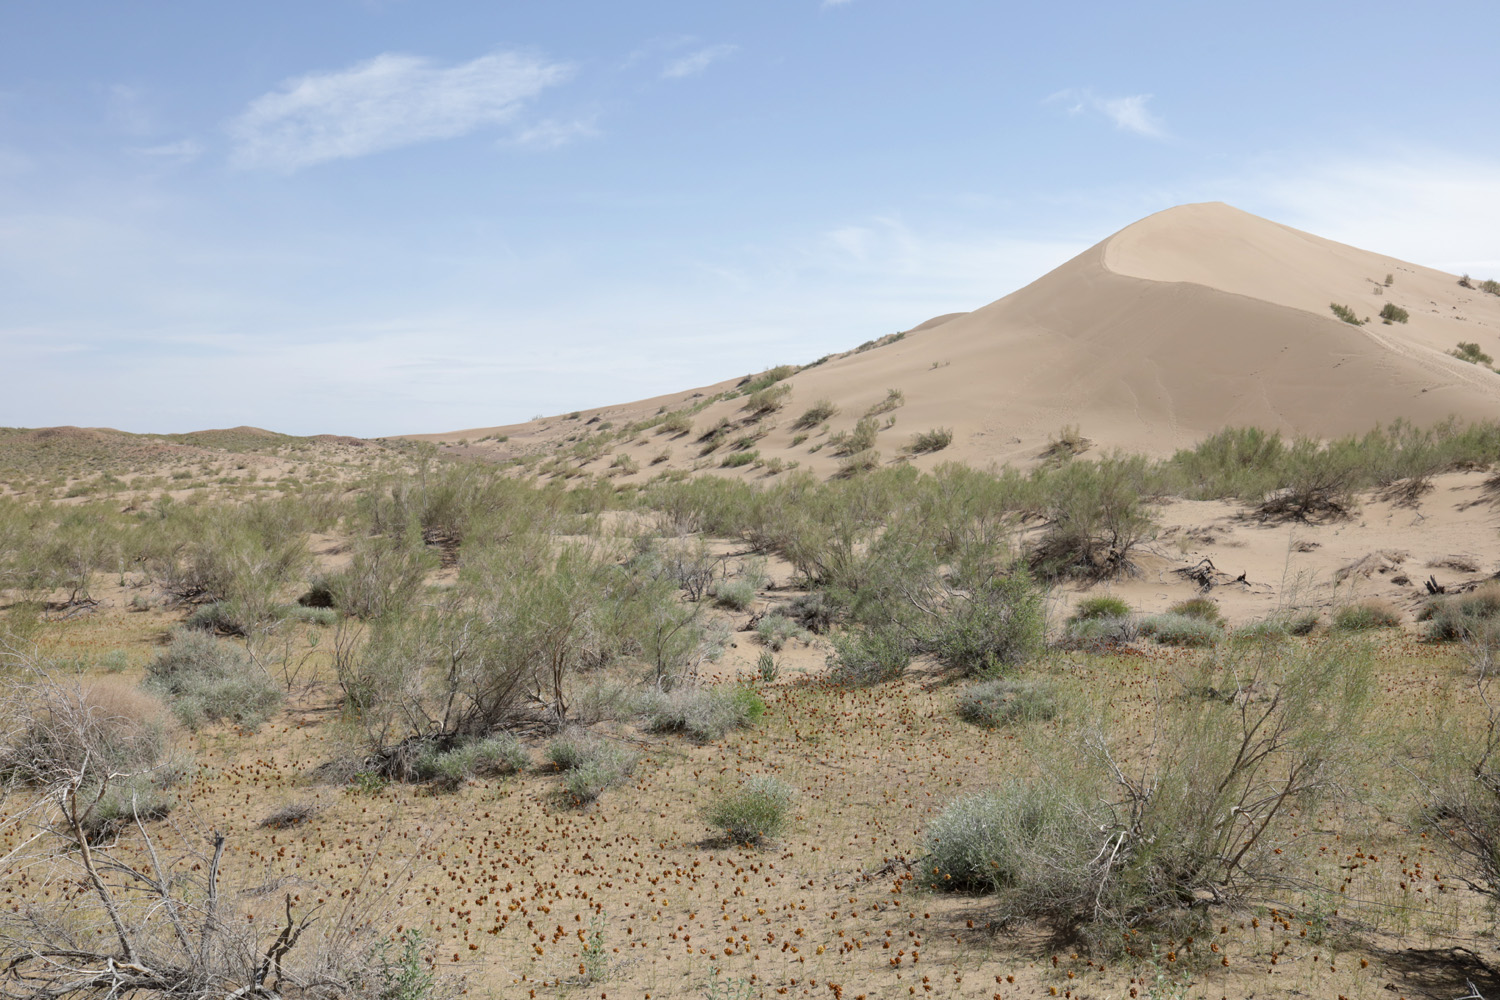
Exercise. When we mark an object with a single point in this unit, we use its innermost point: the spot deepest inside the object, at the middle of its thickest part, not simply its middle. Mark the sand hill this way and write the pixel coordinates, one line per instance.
(1193, 319)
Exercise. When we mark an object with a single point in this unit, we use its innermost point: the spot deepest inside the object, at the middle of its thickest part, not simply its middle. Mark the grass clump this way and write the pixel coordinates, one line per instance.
(1365, 615)
(592, 764)
(1103, 606)
(1464, 617)
(869, 656)
(893, 398)
(1198, 607)
(775, 630)
(208, 680)
(1004, 702)
(767, 400)
(1173, 629)
(1346, 313)
(1471, 352)
(753, 813)
(1392, 313)
(739, 459)
(735, 594)
(706, 714)
(498, 754)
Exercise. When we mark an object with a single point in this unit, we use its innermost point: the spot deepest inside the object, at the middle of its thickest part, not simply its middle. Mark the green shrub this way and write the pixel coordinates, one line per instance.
(1346, 313)
(223, 617)
(208, 680)
(739, 459)
(1101, 634)
(498, 754)
(767, 667)
(1103, 606)
(1198, 607)
(1393, 313)
(768, 378)
(735, 594)
(775, 630)
(1003, 702)
(755, 812)
(929, 441)
(592, 764)
(858, 462)
(703, 713)
(767, 400)
(814, 415)
(1001, 622)
(893, 399)
(677, 423)
(1367, 614)
(1464, 617)
(1171, 629)
(869, 656)
(1471, 353)
(1028, 840)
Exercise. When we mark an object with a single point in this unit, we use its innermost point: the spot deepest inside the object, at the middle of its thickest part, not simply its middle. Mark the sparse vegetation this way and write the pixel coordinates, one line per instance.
(1471, 352)
(1346, 313)
(820, 412)
(1392, 313)
(930, 441)
(1004, 702)
(753, 813)
(209, 680)
(1362, 616)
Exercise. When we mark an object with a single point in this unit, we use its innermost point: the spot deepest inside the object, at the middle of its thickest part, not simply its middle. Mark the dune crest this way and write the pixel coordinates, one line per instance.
(1193, 319)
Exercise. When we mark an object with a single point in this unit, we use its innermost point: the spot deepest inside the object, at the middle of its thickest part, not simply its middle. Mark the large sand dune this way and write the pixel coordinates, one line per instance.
(1194, 319)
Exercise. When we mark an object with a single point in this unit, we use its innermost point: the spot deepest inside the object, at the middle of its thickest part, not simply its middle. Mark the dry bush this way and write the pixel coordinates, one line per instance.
(64, 729)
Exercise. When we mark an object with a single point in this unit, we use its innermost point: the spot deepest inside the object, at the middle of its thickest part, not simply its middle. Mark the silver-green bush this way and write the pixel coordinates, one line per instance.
(754, 812)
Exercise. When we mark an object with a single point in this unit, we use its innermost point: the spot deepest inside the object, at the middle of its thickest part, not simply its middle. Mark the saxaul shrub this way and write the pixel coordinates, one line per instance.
(592, 763)
(1007, 701)
(705, 714)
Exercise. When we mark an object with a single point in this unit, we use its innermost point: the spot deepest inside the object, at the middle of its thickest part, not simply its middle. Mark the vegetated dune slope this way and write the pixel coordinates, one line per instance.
(1191, 320)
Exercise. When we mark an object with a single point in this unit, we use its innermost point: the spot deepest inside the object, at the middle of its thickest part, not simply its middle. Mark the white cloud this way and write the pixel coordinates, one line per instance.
(695, 62)
(1129, 114)
(182, 151)
(550, 134)
(390, 101)
(836, 3)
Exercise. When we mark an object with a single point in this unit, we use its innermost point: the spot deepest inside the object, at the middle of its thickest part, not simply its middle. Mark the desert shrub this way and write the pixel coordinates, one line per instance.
(1346, 313)
(775, 630)
(501, 753)
(857, 462)
(62, 729)
(592, 763)
(292, 814)
(1171, 629)
(1001, 622)
(816, 611)
(1472, 353)
(1366, 614)
(1198, 607)
(1393, 313)
(736, 594)
(714, 436)
(703, 713)
(1104, 841)
(1100, 634)
(323, 617)
(1103, 606)
(754, 812)
(208, 680)
(385, 574)
(766, 666)
(870, 655)
(861, 438)
(929, 441)
(677, 423)
(768, 378)
(1463, 617)
(893, 398)
(814, 415)
(767, 400)
(1005, 701)
(1095, 518)
(222, 617)
(739, 459)
(1279, 626)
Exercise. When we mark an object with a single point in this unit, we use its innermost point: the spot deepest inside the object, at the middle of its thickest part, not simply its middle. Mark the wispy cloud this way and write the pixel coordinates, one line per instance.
(1129, 113)
(390, 101)
(550, 134)
(182, 151)
(696, 62)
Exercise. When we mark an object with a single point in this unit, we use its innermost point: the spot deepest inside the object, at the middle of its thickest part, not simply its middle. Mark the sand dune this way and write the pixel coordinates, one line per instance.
(1196, 318)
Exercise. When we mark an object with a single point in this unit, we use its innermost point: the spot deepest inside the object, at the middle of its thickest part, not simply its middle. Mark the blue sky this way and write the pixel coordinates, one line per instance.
(382, 217)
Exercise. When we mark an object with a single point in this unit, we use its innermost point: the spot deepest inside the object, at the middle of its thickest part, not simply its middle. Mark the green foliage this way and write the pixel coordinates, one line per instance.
(209, 680)
(870, 655)
(768, 378)
(1470, 617)
(677, 423)
(861, 438)
(1346, 313)
(1006, 701)
(1365, 615)
(753, 813)
(775, 630)
(1471, 352)
(735, 594)
(406, 976)
(1095, 517)
(740, 459)
(1198, 607)
(592, 764)
(1173, 629)
(893, 398)
(766, 667)
(1102, 606)
(501, 753)
(1393, 313)
(1000, 622)
(767, 400)
(929, 441)
(706, 714)
(814, 415)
